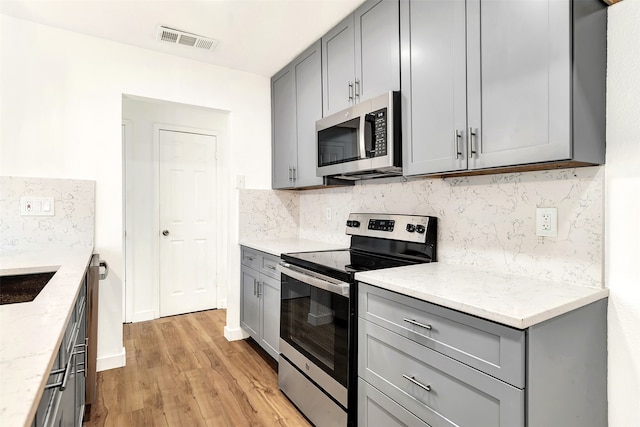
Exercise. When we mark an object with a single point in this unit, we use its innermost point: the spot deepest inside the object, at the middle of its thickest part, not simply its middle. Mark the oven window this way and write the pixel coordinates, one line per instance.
(339, 144)
(315, 322)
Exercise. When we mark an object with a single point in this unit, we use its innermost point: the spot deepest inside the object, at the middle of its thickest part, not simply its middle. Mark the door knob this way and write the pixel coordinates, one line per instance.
(165, 232)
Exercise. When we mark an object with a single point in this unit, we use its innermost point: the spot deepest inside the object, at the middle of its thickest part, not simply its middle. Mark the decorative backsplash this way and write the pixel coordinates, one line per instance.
(487, 221)
(71, 226)
(267, 214)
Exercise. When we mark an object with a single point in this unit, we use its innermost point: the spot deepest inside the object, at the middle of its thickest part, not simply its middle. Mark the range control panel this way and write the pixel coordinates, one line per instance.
(410, 228)
(381, 224)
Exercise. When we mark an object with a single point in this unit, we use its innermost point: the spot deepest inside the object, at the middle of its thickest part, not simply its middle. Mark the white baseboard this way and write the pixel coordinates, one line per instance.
(235, 334)
(143, 316)
(112, 361)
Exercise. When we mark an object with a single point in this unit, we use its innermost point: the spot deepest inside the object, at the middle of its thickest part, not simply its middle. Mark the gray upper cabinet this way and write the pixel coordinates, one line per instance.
(360, 56)
(296, 98)
(283, 129)
(504, 84)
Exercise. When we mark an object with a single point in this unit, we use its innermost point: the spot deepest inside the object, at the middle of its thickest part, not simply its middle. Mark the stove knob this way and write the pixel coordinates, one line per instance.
(349, 223)
(411, 228)
(355, 224)
(420, 229)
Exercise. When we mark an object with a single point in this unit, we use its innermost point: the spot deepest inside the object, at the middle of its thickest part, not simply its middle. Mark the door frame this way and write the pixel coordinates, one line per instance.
(127, 218)
(155, 246)
(129, 314)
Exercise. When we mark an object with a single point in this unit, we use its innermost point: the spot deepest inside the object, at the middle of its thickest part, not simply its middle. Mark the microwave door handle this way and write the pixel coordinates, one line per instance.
(369, 121)
(340, 288)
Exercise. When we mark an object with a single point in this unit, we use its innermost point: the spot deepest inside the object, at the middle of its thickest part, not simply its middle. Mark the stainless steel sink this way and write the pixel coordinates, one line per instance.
(22, 287)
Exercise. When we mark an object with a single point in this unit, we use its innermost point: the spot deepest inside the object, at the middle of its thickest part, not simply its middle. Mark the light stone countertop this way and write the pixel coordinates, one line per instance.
(514, 301)
(278, 247)
(31, 332)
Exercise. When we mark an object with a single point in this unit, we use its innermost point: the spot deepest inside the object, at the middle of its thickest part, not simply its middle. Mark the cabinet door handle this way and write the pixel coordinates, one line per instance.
(357, 89)
(350, 92)
(289, 173)
(255, 290)
(418, 383)
(456, 141)
(472, 150)
(259, 292)
(413, 322)
(294, 174)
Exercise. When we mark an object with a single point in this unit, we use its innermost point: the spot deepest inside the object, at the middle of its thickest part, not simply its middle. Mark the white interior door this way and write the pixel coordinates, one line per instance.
(187, 222)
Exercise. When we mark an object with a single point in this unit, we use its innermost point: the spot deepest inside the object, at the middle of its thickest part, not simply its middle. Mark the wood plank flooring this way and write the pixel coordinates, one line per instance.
(181, 371)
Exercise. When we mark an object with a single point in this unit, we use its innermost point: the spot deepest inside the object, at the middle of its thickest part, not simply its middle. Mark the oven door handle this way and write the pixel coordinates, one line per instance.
(314, 279)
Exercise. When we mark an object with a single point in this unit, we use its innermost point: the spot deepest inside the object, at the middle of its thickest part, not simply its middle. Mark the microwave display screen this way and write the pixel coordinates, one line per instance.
(339, 144)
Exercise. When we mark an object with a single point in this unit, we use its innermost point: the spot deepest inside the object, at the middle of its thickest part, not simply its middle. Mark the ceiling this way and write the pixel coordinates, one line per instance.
(257, 36)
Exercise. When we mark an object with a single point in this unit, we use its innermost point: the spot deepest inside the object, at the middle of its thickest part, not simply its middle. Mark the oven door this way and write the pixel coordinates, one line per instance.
(314, 326)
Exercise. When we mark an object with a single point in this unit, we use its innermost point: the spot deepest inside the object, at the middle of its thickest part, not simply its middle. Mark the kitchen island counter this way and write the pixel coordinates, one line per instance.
(31, 332)
(278, 247)
(514, 301)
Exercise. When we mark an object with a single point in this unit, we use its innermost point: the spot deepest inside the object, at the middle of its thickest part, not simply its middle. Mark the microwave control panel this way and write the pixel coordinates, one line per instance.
(379, 133)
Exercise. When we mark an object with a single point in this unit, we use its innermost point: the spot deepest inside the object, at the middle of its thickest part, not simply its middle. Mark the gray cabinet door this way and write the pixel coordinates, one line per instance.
(433, 86)
(283, 128)
(519, 81)
(308, 83)
(270, 314)
(377, 410)
(377, 49)
(434, 387)
(338, 67)
(250, 304)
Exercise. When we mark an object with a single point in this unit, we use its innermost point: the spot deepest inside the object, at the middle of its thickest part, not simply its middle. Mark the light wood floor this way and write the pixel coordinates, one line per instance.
(181, 371)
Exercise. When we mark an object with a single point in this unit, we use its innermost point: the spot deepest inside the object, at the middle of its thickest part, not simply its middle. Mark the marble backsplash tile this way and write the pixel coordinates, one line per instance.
(71, 226)
(267, 214)
(487, 221)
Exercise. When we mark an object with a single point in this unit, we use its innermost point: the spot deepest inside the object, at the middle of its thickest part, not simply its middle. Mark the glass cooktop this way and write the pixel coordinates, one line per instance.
(342, 264)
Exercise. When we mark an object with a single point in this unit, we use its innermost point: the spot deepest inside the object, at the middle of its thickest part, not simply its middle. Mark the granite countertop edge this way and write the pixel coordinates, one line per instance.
(516, 301)
(278, 247)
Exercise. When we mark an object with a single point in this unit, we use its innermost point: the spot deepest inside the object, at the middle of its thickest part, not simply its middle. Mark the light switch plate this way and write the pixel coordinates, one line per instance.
(37, 206)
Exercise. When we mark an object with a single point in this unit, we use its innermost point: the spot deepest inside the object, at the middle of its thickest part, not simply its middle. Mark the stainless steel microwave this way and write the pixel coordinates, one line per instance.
(362, 141)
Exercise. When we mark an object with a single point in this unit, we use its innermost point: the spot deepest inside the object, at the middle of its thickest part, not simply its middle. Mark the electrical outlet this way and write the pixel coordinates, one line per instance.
(547, 222)
(327, 213)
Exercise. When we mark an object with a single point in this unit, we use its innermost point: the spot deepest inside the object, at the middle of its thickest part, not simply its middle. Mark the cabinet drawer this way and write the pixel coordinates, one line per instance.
(495, 349)
(434, 387)
(268, 266)
(377, 410)
(250, 258)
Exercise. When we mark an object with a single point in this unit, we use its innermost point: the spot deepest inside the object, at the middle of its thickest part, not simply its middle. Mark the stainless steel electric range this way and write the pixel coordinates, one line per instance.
(318, 337)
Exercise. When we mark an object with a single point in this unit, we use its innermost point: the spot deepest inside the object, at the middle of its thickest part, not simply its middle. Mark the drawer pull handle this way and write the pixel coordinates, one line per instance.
(270, 266)
(413, 322)
(249, 258)
(418, 383)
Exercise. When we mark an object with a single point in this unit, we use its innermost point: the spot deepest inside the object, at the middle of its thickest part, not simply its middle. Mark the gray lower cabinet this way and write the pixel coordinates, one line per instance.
(505, 83)
(361, 56)
(63, 399)
(422, 364)
(296, 104)
(260, 299)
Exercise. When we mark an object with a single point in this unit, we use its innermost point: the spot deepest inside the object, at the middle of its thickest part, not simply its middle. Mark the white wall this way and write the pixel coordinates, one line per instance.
(61, 112)
(622, 212)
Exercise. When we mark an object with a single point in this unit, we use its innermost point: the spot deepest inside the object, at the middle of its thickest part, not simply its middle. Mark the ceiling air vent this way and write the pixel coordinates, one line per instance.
(170, 35)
